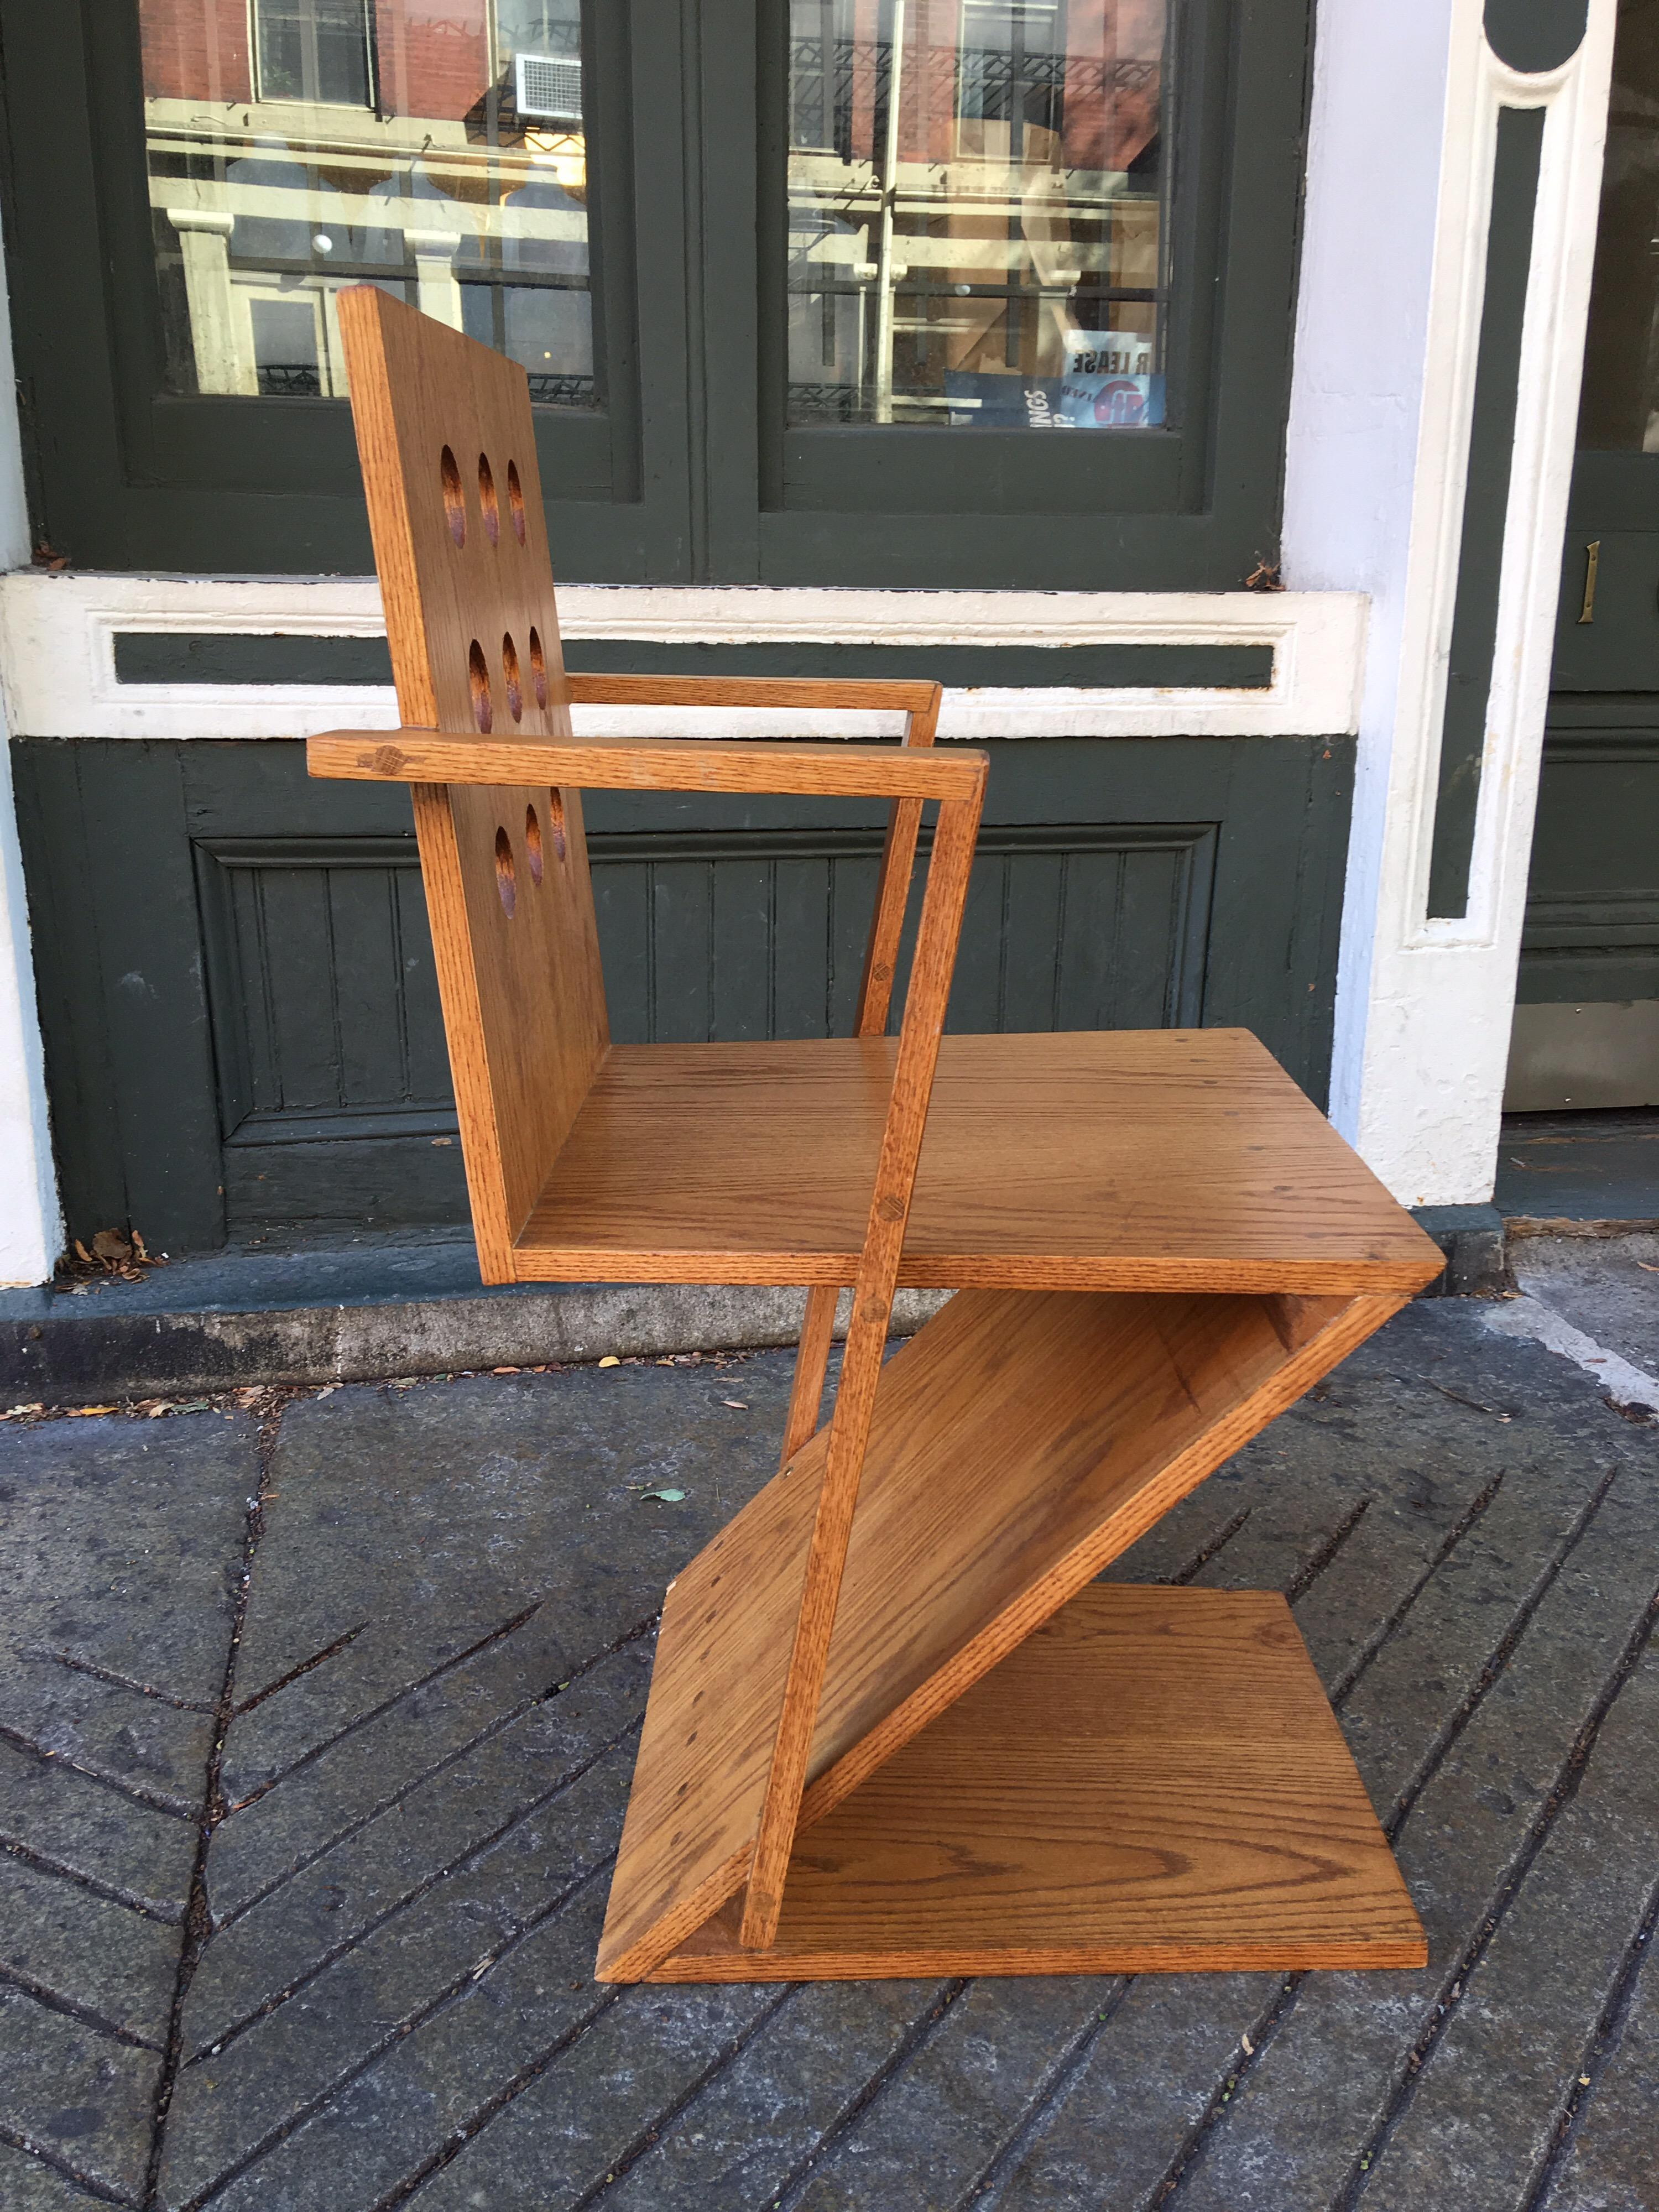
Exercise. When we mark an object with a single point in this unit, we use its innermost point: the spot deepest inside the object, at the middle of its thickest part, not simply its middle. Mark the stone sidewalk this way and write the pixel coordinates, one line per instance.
(316, 1730)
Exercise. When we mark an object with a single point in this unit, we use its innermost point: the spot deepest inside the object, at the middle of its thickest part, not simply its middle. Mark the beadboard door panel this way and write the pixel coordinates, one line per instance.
(242, 1016)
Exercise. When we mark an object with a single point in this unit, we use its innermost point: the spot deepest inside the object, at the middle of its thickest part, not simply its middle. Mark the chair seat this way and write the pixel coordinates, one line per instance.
(1094, 1160)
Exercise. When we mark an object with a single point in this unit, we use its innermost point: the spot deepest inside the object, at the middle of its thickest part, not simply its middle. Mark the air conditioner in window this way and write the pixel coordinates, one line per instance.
(548, 89)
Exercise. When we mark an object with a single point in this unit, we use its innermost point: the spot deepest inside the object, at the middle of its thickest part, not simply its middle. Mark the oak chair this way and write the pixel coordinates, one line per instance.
(895, 1726)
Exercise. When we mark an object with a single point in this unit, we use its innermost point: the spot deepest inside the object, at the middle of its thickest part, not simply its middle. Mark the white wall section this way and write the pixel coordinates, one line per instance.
(31, 1225)
(1383, 392)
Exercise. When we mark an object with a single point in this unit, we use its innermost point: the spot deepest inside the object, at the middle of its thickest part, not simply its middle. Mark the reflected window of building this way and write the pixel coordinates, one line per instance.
(977, 203)
(298, 146)
(314, 49)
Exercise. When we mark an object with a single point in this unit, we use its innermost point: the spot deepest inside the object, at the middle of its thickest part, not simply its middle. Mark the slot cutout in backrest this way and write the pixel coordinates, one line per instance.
(478, 671)
(455, 497)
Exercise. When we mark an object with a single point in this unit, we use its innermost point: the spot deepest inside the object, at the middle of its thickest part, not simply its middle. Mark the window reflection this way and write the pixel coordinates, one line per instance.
(314, 49)
(976, 197)
(436, 148)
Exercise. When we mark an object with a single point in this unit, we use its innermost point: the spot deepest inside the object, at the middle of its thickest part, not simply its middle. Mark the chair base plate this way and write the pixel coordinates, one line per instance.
(1152, 1781)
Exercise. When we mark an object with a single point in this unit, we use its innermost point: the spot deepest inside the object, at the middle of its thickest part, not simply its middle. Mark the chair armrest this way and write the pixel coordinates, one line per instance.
(648, 764)
(855, 693)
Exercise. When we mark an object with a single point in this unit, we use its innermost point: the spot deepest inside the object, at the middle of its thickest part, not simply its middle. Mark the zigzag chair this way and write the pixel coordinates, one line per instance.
(896, 1725)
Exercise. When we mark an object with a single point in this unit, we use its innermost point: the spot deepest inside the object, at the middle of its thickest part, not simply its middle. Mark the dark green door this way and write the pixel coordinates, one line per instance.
(1587, 1020)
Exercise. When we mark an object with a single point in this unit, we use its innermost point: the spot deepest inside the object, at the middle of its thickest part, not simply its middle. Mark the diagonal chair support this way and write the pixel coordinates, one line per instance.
(867, 1336)
(875, 996)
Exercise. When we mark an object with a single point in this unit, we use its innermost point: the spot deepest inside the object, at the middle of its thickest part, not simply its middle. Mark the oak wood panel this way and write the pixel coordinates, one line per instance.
(461, 548)
(1021, 1441)
(898, 856)
(1332, 1328)
(523, 1047)
(800, 768)
(1152, 1781)
(875, 997)
(447, 579)
(925, 999)
(867, 694)
(1155, 1159)
(811, 1361)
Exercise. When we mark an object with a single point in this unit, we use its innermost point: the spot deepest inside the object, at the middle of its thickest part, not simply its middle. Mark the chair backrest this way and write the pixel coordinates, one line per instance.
(449, 453)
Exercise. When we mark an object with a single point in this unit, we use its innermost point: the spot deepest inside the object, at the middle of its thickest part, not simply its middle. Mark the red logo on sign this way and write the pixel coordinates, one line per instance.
(1120, 401)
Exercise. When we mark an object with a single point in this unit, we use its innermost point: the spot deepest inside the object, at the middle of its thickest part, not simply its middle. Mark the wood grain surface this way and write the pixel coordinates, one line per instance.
(811, 1361)
(868, 694)
(802, 767)
(875, 997)
(1124, 1159)
(505, 868)
(1153, 1782)
(1169, 1243)
(1021, 1441)
(522, 995)
(447, 443)
(925, 994)
(898, 856)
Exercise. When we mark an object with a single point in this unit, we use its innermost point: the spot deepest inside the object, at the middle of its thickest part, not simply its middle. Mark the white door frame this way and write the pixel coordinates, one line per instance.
(1381, 396)
(31, 1224)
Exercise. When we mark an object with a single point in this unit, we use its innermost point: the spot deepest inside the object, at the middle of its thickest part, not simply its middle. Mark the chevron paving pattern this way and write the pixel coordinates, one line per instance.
(316, 1730)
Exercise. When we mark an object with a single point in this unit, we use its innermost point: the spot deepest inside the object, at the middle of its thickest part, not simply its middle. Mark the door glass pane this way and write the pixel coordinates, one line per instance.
(436, 147)
(1619, 410)
(977, 198)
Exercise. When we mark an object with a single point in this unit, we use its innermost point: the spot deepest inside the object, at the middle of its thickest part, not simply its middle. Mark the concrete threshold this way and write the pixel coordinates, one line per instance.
(356, 1311)
(1473, 1239)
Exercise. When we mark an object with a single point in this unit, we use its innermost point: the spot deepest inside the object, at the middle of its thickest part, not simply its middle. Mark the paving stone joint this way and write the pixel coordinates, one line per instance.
(315, 1738)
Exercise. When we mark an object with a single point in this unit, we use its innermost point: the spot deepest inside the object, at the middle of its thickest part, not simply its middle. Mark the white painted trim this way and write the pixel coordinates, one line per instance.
(30, 1221)
(58, 655)
(1424, 1007)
